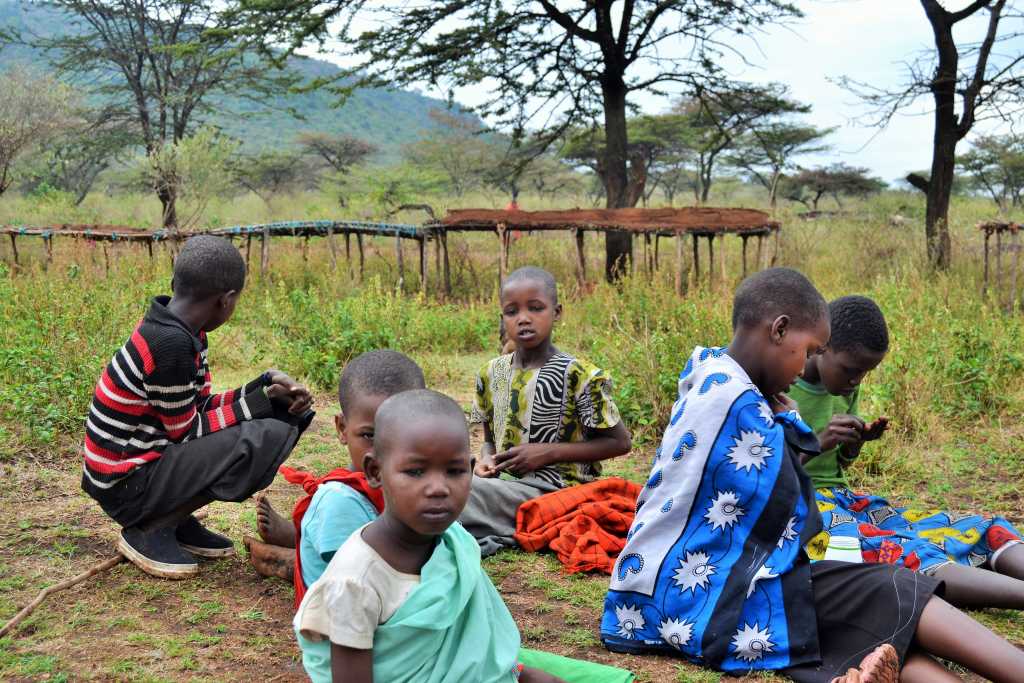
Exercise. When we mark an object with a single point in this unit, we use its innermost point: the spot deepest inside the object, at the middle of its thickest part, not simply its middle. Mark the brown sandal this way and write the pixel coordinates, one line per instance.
(881, 666)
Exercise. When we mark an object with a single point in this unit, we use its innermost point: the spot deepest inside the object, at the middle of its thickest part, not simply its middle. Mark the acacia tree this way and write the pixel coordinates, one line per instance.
(718, 117)
(967, 83)
(74, 160)
(340, 153)
(160, 64)
(767, 152)
(836, 180)
(457, 149)
(651, 139)
(995, 165)
(273, 172)
(33, 110)
(551, 66)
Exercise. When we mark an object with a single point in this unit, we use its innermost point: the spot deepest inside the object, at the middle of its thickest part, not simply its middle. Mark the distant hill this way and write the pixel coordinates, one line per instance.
(385, 118)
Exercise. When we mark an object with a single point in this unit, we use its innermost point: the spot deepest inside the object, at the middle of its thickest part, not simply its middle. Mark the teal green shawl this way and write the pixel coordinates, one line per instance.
(453, 627)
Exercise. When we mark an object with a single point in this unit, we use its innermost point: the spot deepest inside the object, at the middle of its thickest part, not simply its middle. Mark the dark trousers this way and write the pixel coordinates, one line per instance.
(229, 465)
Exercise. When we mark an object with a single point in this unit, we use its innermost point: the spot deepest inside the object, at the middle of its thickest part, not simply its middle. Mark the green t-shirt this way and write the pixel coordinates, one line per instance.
(817, 407)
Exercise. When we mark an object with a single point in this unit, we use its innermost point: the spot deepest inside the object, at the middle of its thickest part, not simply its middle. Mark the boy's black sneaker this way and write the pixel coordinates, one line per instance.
(157, 553)
(200, 541)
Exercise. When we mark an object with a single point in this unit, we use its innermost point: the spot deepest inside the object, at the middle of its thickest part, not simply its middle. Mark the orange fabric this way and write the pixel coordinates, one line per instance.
(310, 483)
(584, 525)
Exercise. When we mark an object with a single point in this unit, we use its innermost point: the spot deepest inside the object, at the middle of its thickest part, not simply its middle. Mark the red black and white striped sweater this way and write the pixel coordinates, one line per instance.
(156, 391)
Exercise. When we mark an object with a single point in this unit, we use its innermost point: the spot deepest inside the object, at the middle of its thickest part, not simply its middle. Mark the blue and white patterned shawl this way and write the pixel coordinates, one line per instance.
(713, 569)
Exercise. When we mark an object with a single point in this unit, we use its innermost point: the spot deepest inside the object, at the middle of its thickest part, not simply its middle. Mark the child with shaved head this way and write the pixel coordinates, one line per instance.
(405, 598)
(548, 416)
(341, 501)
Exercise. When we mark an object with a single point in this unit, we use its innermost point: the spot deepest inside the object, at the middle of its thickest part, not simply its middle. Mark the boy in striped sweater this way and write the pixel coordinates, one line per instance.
(159, 445)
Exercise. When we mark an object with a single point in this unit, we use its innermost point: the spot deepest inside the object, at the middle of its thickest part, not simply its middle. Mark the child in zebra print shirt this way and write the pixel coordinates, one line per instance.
(548, 417)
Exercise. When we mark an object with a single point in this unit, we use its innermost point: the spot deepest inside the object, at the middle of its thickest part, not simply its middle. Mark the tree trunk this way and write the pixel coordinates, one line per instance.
(168, 200)
(618, 243)
(773, 190)
(947, 134)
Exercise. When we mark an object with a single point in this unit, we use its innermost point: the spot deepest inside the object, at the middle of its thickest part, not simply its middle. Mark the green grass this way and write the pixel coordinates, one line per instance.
(953, 386)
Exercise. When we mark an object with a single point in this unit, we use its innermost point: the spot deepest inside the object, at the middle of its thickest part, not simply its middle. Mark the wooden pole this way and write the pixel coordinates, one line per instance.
(760, 252)
(502, 252)
(775, 252)
(721, 257)
(333, 247)
(264, 251)
(14, 248)
(984, 280)
(744, 238)
(679, 263)
(422, 241)
(401, 262)
(437, 251)
(106, 259)
(305, 249)
(1015, 236)
(581, 261)
(48, 243)
(149, 245)
(999, 264)
(696, 260)
(648, 256)
(711, 261)
(657, 242)
(447, 268)
(348, 252)
(362, 255)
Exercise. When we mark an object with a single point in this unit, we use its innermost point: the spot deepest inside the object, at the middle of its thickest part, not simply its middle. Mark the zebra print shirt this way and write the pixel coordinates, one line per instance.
(556, 403)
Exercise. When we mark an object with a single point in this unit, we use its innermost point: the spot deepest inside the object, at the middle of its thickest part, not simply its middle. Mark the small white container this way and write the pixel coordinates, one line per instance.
(844, 549)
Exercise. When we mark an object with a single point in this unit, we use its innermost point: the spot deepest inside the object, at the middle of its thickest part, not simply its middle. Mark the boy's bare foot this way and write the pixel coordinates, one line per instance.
(271, 560)
(274, 529)
(881, 666)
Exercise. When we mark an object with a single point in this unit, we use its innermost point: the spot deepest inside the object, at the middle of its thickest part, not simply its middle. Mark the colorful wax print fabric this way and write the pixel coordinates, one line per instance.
(713, 568)
(555, 403)
(921, 540)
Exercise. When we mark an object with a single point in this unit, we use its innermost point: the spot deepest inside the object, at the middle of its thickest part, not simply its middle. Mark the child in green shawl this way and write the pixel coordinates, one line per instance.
(405, 599)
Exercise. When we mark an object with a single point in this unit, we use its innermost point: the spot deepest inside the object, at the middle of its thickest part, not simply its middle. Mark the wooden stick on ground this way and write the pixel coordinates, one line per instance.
(103, 566)
(30, 607)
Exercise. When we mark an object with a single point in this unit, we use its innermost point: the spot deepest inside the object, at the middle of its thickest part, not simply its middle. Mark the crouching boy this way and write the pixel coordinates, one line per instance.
(159, 445)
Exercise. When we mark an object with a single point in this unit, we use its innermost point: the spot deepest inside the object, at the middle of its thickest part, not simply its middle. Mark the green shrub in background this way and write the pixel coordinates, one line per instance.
(314, 335)
(955, 366)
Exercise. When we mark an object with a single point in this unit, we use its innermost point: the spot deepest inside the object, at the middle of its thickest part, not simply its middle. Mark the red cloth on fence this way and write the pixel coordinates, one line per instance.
(584, 525)
(310, 483)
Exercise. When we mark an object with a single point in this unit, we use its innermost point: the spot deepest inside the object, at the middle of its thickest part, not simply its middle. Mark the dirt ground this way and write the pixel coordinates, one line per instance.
(228, 623)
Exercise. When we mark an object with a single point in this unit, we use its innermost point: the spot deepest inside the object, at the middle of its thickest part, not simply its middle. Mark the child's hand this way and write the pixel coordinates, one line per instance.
(520, 460)
(286, 391)
(485, 467)
(875, 429)
(780, 403)
(842, 429)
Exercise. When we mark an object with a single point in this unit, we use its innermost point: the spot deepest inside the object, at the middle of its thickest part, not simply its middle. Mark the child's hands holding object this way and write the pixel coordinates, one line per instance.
(875, 429)
(525, 458)
(851, 431)
(485, 467)
(283, 390)
(780, 403)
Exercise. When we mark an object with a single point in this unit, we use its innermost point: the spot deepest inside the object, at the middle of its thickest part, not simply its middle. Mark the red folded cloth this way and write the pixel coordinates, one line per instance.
(584, 525)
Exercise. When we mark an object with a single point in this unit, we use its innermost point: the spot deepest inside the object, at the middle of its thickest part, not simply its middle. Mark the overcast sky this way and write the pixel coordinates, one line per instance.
(866, 40)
